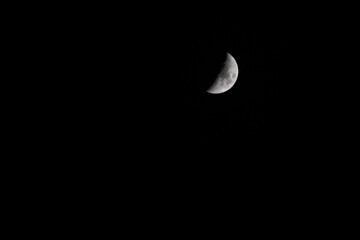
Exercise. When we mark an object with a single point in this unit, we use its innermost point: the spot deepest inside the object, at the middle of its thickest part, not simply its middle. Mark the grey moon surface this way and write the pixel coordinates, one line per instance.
(226, 78)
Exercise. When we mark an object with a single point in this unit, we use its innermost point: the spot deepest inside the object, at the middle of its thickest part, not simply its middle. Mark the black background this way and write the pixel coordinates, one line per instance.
(113, 110)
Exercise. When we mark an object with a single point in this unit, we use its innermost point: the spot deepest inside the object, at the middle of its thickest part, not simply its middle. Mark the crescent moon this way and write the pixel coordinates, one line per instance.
(226, 78)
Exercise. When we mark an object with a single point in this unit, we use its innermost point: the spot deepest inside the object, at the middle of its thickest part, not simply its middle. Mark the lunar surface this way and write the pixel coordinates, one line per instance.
(226, 78)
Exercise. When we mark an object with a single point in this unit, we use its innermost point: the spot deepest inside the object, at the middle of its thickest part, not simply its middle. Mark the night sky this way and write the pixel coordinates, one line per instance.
(119, 99)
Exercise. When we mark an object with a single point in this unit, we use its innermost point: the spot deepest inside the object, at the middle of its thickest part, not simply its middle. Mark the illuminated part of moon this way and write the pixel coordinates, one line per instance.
(226, 78)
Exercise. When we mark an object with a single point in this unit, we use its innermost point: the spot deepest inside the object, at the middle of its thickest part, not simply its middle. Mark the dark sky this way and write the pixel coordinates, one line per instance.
(123, 93)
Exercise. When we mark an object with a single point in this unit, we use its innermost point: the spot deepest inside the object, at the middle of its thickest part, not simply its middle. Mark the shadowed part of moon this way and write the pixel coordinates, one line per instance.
(226, 78)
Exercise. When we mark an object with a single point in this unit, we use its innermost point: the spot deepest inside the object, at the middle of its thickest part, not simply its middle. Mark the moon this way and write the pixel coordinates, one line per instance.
(226, 78)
